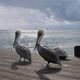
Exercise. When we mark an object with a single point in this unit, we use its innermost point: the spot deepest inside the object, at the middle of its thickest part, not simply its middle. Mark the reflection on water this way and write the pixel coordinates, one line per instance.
(66, 39)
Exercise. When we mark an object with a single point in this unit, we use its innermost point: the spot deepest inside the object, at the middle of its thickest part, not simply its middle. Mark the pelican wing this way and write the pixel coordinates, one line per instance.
(28, 53)
(49, 55)
(60, 52)
(23, 51)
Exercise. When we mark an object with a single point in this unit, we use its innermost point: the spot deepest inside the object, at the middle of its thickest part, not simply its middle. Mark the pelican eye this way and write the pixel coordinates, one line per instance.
(40, 33)
(17, 32)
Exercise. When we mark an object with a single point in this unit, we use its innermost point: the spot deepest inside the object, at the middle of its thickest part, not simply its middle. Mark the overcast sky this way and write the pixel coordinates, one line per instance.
(36, 14)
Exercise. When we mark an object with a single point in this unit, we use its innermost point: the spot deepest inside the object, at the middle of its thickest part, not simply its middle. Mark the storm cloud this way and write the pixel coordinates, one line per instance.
(62, 9)
(39, 13)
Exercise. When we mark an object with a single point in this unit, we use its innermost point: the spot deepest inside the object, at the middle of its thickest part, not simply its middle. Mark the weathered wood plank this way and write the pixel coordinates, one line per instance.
(11, 70)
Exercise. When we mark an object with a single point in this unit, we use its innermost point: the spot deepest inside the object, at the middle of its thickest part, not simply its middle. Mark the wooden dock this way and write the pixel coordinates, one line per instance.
(10, 69)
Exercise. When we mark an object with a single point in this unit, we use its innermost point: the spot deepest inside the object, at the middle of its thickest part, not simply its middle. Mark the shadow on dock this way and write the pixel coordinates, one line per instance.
(43, 71)
(21, 63)
(78, 57)
(64, 59)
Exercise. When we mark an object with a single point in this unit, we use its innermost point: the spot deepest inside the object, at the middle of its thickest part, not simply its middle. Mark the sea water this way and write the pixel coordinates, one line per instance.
(65, 39)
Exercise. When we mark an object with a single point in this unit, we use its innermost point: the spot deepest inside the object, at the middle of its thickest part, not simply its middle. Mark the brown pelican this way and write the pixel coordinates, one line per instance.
(61, 53)
(22, 51)
(45, 52)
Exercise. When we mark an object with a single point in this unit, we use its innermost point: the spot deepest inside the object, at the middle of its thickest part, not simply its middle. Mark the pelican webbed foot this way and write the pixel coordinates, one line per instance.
(48, 66)
(20, 59)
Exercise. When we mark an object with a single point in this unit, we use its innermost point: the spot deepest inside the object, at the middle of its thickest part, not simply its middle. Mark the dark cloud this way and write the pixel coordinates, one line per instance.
(62, 9)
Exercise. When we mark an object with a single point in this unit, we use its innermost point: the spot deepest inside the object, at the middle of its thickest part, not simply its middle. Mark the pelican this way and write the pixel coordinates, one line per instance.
(60, 53)
(22, 51)
(45, 52)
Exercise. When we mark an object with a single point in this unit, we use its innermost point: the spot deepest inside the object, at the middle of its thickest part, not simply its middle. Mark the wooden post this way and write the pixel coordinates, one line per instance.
(77, 51)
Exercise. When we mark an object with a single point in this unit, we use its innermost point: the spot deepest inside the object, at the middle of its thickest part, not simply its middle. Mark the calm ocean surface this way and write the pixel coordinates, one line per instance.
(66, 39)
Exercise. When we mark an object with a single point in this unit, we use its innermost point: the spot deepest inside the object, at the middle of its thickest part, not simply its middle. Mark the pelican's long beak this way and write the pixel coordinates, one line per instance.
(16, 39)
(14, 44)
(39, 37)
(36, 43)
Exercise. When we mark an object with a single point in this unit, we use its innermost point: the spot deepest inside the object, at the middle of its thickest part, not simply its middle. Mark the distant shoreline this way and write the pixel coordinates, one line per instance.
(35, 29)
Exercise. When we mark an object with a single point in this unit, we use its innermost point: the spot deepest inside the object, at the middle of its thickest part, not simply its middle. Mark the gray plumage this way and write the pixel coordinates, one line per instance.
(45, 52)
(61, 53)
(22, 51)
